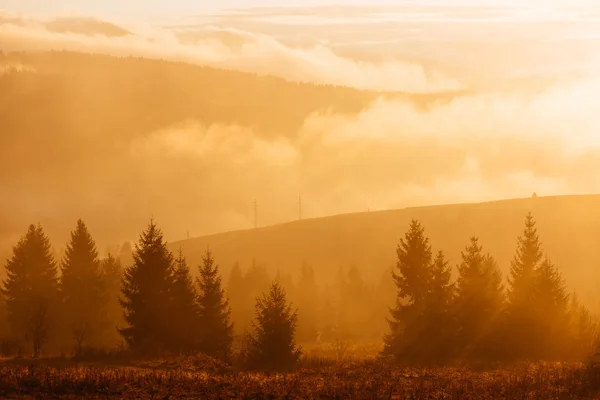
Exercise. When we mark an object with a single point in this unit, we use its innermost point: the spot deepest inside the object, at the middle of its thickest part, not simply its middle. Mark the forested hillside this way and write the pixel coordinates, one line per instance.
(569, 227)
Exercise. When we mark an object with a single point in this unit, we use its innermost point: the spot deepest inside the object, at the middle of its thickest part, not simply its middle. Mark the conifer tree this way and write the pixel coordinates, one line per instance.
(479, 301)
(524, 264)
(412, 278)
(112, 273)
(84, 298)
(272, 341)
(520, 325)
(440, 333)
(31, 289)
(216, 335)
(550, 312)
(146, 289)
(184, 308)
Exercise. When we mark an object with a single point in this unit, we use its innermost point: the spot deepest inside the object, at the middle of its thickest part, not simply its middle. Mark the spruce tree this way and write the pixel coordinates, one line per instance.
(272, 344)
(184, 308)
(440, 334)
(84, 298)
(31, 289)
(112, 273)
(520, 325)
(146, 289)
(216, 330)
(412, 278)
(550, 316)
(479, 301)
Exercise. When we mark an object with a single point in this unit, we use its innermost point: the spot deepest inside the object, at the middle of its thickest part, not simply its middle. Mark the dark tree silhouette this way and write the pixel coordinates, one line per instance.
(272, 344)
(184, 313)
(479, 302)
(412, 278)
(439, 334)
(520, 326)
(146, 295)
(216, 329)
(31, 289)
(551, 303)
(84, 298)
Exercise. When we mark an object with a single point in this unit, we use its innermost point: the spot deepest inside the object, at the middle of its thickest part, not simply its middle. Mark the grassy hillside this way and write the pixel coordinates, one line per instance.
(569, 227)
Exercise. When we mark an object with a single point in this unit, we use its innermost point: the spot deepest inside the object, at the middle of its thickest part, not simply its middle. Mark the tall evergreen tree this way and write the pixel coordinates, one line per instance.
(479, 301)
(84, 298)
(412, 278)
(216, 335)
(550, 316)
(524, 264)
(184, 308)
(440, 333)
(520, 325)
(31, 289)
(112, 273)
(146, 289)
(272, 341)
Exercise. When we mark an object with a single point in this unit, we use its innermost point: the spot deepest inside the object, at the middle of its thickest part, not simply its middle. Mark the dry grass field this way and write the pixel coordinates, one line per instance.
(339, 372)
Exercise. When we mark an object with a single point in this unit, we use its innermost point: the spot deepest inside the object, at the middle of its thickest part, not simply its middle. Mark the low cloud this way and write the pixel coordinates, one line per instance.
(390, 155)
(192, 176)
(250, 52)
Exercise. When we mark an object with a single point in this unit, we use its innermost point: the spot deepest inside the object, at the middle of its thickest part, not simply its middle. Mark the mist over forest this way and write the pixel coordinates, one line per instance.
(379, 192)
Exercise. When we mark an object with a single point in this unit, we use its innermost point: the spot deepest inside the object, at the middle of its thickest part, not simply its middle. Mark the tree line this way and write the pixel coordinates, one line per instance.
(164, 310)
(155, 307)
(476, 316)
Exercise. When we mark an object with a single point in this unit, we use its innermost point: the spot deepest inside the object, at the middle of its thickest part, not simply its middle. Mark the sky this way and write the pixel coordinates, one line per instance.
(181, 8)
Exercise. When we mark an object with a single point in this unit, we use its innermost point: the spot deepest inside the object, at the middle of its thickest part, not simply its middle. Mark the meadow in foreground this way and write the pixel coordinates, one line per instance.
(368, 379)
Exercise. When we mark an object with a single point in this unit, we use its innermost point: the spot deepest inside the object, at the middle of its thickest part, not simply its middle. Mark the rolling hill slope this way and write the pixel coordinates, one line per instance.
(569, 227)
